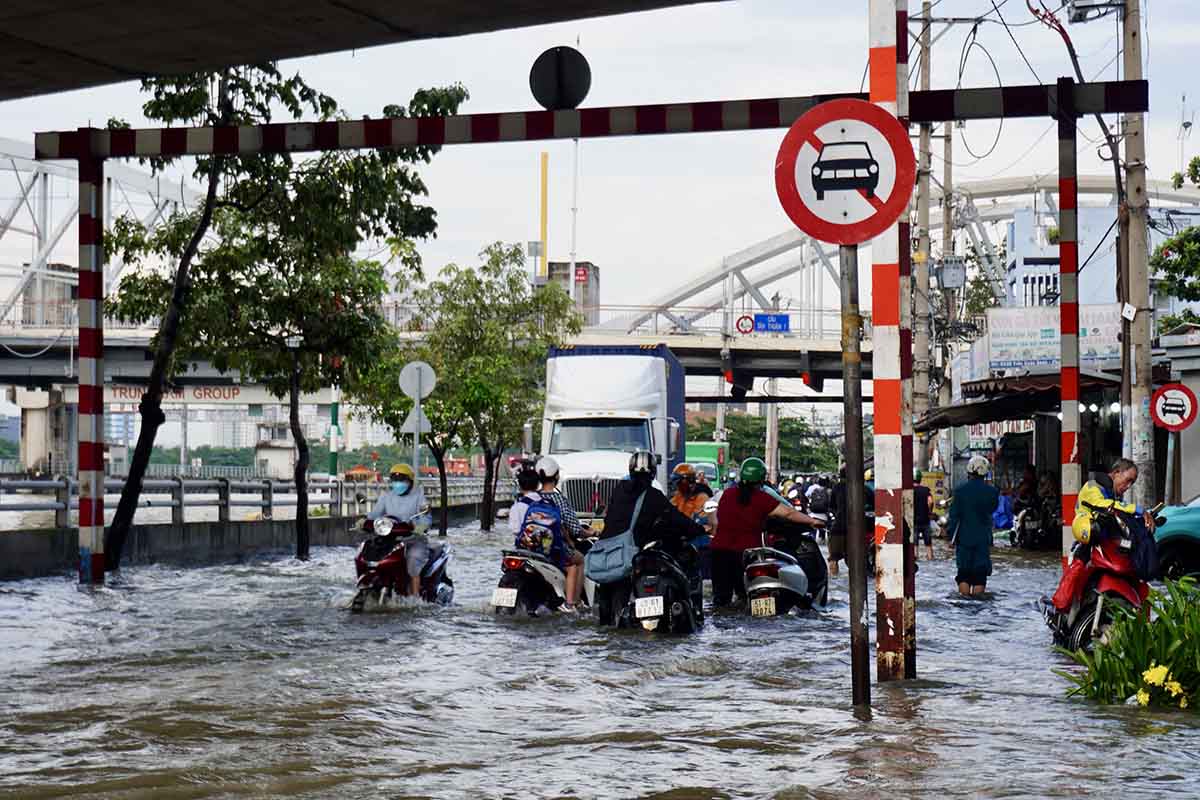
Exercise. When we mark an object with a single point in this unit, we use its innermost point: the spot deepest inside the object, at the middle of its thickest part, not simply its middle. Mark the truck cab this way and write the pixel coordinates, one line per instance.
(603, 404)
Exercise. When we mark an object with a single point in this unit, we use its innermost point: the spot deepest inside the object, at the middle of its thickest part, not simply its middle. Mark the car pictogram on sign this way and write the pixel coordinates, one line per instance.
(845, 166)
(1173, 407)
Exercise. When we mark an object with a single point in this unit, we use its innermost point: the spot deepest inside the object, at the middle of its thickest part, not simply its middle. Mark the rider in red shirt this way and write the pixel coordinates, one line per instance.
(741, 515)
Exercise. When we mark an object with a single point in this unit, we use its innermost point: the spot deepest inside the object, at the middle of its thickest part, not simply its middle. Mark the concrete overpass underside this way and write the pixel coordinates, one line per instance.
(55, 45)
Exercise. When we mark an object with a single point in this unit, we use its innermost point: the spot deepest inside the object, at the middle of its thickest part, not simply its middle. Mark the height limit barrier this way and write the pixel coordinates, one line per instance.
(91, 147)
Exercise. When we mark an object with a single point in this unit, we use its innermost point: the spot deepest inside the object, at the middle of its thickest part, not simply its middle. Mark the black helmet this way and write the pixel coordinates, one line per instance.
(642, 463)
(527, 477)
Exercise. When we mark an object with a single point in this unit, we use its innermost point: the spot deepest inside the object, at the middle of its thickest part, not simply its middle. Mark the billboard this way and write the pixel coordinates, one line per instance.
(1028, 338)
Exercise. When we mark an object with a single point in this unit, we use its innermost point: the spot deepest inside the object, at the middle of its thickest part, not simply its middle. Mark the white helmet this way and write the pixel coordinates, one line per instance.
(978, 465)
(547, 468)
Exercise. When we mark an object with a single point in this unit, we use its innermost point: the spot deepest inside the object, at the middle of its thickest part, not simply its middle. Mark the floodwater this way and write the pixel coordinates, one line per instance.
(253, 680)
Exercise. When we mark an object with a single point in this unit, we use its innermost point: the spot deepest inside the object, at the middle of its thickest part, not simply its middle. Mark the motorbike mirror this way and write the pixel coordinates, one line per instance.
(360, 497)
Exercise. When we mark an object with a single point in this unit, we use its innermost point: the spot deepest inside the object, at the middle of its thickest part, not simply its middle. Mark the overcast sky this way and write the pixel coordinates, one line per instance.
(656, 210)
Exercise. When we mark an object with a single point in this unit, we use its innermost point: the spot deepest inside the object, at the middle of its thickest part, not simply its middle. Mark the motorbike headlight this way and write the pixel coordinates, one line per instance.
(383, 526)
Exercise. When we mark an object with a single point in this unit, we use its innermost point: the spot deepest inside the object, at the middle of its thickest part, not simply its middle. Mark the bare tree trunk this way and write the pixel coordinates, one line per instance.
(439, 458)
(301, 473)
(487, 505)
(150, 407)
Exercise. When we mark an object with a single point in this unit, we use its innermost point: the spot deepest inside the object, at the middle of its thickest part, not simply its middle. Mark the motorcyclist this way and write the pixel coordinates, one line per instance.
(406, 502)
(548, 472)
(1102, 490)
(528, 483)
(658, 520)
(688, 499)
(741, 515)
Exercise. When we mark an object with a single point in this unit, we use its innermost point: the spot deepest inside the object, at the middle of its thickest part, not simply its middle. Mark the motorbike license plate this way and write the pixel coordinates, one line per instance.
(648, 607)
(504, 598)
(762, 607)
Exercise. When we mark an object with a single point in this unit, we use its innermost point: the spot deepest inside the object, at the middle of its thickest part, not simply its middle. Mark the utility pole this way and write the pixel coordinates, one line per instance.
(921, 261)
(773, 423)
(1137, 250)
(944, 390)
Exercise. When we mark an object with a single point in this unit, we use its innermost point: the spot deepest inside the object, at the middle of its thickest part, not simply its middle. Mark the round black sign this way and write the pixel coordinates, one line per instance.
(560, 78)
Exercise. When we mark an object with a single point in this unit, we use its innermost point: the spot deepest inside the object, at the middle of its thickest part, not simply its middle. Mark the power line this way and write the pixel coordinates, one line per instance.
(1014, 40)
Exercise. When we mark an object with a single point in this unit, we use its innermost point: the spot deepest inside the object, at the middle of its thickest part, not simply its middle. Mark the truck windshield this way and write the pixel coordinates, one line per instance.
(577, 435)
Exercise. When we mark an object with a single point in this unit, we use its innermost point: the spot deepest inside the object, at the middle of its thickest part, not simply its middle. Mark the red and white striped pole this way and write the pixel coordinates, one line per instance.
(891, 370)
(1068, 308)
(91, 362)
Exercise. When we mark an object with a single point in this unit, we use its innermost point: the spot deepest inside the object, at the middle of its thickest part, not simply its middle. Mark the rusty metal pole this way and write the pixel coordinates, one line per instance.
(856, 535)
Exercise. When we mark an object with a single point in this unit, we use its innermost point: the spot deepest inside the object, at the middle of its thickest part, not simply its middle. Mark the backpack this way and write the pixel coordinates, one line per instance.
(819, 502)
(611, 559)
(1144, 552)
(541, 531)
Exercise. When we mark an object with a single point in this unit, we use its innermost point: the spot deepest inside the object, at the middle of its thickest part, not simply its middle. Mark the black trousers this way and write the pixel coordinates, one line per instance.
(611, 598)
(728, 577)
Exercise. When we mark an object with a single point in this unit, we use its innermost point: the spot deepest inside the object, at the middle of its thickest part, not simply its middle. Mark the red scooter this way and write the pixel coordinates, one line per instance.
(1101, 575)
(383, 569)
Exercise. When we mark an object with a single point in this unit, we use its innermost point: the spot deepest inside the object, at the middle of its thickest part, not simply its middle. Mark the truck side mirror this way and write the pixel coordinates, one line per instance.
(673, 435)
(527, 430)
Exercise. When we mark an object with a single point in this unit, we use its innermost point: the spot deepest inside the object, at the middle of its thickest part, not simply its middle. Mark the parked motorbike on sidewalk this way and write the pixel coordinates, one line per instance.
(1037, 526)
(1102, 575)
(787, 572)
(531, 582)
(667, 592)
(382, 566)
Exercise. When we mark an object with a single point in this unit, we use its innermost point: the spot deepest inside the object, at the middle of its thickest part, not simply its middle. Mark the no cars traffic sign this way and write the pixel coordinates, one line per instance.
(845, 171)
(1173, 407)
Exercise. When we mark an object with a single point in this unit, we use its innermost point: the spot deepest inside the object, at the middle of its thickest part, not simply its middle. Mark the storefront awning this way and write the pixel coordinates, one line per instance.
(1001, 399)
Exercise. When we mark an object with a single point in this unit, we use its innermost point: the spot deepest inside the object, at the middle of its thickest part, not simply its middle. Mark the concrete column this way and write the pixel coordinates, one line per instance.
(223, 494)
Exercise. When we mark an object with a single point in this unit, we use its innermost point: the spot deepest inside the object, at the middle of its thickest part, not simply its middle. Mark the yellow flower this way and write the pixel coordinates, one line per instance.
(1155, 675)
(1174, 688)
(1183, 701)
(1143, 697)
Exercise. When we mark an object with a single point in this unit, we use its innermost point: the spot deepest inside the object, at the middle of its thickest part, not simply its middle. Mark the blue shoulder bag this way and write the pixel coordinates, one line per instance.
(611, 559)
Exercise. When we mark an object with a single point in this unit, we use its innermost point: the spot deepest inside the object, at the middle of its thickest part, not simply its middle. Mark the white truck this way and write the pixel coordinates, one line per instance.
(602, 404)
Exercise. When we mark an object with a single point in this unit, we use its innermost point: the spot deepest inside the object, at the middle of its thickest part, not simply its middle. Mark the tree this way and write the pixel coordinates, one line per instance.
(491, 331)
(1169, 322)
(1178, 261)
(277, 295)
(236, 96)
(800, 448)
(979, 295)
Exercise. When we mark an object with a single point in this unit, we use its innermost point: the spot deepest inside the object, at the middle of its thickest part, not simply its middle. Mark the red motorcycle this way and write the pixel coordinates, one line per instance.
(383, 568)
(1100, 576)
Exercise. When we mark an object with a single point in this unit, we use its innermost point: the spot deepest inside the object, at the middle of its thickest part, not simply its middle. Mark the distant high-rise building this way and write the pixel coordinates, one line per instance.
(587, 286)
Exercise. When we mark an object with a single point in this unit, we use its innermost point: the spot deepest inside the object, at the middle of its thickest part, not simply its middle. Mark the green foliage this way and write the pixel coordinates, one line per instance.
(1169, 322)
(1178, 261)
(800, 448)
(979, 289)
(1193, 174)
(1153, 658)
(208, 455)
(9, 449)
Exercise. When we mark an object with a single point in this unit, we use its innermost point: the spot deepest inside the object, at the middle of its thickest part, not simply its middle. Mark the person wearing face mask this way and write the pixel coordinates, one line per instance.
(406, 503)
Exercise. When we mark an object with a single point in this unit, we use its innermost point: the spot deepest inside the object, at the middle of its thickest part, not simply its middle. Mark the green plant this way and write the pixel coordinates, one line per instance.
(1150, 657)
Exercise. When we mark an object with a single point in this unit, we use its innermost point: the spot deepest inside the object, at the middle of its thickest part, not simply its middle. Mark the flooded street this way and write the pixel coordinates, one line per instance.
(254, 680)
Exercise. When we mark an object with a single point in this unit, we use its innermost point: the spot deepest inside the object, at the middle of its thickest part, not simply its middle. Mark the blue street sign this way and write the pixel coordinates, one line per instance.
(772, 323)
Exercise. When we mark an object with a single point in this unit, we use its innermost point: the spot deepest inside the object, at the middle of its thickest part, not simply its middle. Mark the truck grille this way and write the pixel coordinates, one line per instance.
(581, 493)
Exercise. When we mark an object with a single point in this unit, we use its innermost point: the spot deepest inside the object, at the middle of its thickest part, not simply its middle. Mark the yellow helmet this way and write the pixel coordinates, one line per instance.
(684, 471)
(869, 475)
(401, 471)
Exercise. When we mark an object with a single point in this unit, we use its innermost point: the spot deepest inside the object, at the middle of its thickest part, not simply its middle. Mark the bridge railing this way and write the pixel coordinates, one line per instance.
(340, 498)
(810, 323)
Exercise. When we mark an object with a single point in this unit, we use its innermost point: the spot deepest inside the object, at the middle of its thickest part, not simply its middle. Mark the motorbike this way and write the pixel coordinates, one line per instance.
(1101, 575)
(1037, 526)
(383, 569)
(787, 572)
(531, 581)
(667, 593)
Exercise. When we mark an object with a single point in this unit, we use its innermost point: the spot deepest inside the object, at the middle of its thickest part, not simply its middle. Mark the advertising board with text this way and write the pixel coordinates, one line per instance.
(1029, 338)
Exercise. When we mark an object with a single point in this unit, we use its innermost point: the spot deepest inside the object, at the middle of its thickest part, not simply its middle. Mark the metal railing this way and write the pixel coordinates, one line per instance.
(342, 498)
(206, 471)
(11, 466)
(812, 323)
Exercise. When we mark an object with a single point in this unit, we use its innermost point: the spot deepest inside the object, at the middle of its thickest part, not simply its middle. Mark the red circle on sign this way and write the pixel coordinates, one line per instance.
(745, 324)
(1186, 420)
(804, 128)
